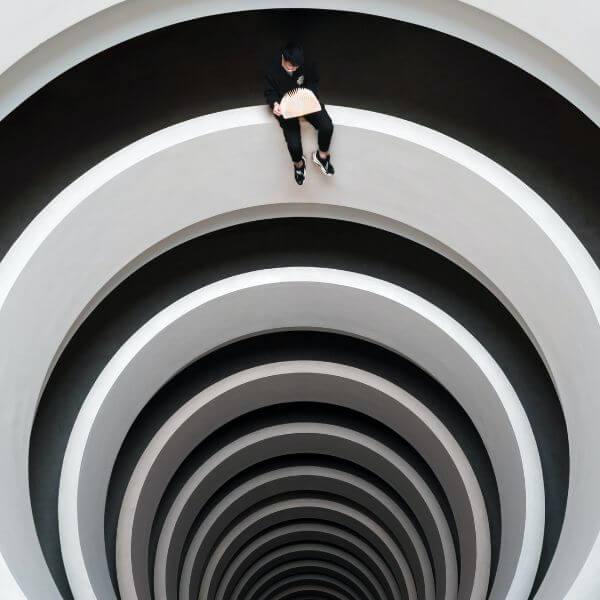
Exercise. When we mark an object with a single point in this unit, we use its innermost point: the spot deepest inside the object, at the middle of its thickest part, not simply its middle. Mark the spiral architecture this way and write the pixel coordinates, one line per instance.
(219, 385)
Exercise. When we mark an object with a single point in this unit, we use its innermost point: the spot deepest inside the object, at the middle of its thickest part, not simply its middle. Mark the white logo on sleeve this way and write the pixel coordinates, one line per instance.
(300, 80)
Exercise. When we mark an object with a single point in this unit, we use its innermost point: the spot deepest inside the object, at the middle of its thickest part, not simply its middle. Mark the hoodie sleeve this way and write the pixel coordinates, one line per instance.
(312, 78)
(271, 93)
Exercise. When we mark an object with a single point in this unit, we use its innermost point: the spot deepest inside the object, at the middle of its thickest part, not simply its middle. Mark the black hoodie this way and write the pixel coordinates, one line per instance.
(278, 81)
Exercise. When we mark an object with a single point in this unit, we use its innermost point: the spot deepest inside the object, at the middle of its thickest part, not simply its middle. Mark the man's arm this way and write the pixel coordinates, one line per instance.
(271, 94)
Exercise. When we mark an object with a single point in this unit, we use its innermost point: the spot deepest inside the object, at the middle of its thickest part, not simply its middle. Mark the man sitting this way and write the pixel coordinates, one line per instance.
(288, 71)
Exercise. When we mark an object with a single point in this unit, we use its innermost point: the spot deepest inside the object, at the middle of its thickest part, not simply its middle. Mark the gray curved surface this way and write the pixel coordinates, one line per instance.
(307, 344)
(304, 579)
(579, 545)
(376, 398)
(299, 552)
(298, 568)
(74, 365)
(317, 538)
(354, 313)
(360, 534)
(480, 27)
(331, 481)
(580, 584)
(268, 485)
(308, 591)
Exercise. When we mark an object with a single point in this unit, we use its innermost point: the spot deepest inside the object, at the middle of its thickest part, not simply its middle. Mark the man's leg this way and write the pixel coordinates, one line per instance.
(323, 123)
(291, 132)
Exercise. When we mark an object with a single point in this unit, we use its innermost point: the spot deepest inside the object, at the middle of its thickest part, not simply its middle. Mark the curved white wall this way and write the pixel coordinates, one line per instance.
(561, 49)
(26, 25)
(571, 28)
(556, 41)
(459, 203)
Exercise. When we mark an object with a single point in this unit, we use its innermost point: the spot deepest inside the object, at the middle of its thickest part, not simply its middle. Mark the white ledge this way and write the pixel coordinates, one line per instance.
(429, 188)
(561, 49)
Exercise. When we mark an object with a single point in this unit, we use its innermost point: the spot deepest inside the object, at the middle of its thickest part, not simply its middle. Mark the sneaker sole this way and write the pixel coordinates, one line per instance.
(318, 163)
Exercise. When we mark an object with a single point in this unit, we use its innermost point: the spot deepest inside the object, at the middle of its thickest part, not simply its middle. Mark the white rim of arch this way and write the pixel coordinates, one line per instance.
(557, 249)
(285, 298)
(561, 65)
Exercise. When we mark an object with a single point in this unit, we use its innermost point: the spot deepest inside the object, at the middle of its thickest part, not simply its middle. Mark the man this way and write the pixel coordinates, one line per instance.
(288, 71)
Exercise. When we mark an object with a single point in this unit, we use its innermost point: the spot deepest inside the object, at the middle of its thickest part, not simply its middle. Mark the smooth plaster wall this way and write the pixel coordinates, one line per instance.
(162, 171)
(125, 20)
(161, 78)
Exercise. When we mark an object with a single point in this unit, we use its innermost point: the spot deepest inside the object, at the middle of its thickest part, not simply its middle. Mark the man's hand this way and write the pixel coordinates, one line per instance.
(277, 109)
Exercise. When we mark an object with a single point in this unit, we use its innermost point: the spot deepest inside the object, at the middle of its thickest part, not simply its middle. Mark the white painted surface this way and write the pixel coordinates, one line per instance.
(430, 188)
(324, 550)
(357, 524)
(53, 43)
(302, 298)
(8, 585)
(332, 481)
(26, 25)
(571, 28)
(370, 395)
(277, 573)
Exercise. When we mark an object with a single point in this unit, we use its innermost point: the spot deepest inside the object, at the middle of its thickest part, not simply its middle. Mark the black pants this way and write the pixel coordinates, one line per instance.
(291, 131)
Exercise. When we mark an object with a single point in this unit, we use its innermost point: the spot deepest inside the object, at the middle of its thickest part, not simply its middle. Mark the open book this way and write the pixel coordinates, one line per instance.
(299, 102)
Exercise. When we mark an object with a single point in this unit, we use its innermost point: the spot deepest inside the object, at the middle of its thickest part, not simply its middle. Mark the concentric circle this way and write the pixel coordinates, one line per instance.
(221, 385)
